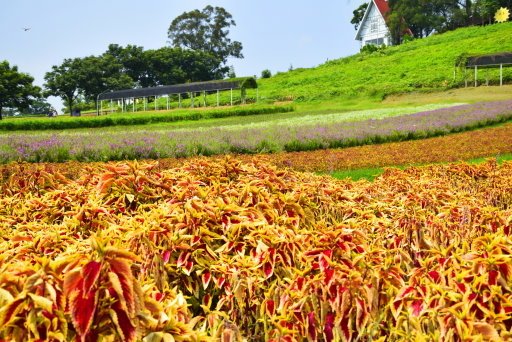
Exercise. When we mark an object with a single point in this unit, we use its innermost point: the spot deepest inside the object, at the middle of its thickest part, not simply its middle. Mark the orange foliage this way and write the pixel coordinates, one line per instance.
(223, 249)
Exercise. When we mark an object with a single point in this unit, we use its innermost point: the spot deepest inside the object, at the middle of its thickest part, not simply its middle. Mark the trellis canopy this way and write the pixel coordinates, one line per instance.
(489, 60)
(236, 83)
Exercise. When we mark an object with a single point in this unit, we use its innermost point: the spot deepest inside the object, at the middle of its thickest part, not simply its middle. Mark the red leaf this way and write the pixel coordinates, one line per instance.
(9, 311)
(207, 300)
(82, 306)
(188, 267)
(182, 259)
(323, 262)
(122, 269)
(90, 274)
(270, 307)
(166, 256)
(328, 275)
(268, 268)
(300, 283)
(206, 277)
(362, 314)
(71, 282)
(462, 287)
(505, 270)
(359, 249)
(311, 326)
(345, 329)
(329, 325)
(158, 296)
(124, 326)
(220, 282)
(435, 276)
(493, 277)
(195, 240)
(417, 307)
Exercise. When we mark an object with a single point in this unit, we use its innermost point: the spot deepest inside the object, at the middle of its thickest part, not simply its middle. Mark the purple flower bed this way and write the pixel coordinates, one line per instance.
(143, 144)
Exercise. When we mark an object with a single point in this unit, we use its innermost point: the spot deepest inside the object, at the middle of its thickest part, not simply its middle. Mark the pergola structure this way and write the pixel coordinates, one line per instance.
(129, 96)
(495, 60)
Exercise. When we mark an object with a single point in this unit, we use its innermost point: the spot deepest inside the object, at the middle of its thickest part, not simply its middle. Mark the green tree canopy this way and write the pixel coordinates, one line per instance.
(208, 31)
(63, 81)
(16, 88)
(423, 17)
(97, 74)
(358, 15)
(168, 66)
(133, 62)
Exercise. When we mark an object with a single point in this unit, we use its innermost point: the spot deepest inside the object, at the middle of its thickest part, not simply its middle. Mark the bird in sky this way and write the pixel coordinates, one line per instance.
(26, 28)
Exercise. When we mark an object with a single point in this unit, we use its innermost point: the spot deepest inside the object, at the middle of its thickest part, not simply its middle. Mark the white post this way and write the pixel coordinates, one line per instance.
(101, 107)
(192, 99)
(217, 97)
(231, 96)
(133, 102)
(111, 105)
(156, 105)
(476, 76)
(501, 75)
(204, 98)
(167, 101)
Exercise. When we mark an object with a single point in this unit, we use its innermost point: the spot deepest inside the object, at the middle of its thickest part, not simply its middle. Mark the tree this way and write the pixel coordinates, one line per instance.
(16, 88)
(266, 73)
(358, 15)
(63, 80)
(174, 65)
(97, 74)
(484, 11)
(40, 106)
(133, 61)
(207, 31)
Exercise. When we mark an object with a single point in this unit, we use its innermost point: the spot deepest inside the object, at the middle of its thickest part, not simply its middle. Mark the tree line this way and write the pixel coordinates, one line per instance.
(420, 18)
(199, 51)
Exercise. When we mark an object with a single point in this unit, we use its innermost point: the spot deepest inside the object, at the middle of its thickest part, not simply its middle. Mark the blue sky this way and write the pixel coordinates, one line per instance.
(275, 34)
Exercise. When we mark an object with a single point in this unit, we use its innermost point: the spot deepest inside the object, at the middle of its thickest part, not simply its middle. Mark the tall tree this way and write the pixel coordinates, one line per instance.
(358, 15)
(96, 74)
(134, 62)
(63, 81)
(208, 31)
(484, 11)
(174, 65)
(16, 88)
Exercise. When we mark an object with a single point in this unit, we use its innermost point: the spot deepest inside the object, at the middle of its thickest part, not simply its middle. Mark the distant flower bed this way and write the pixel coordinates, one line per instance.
(119, 145)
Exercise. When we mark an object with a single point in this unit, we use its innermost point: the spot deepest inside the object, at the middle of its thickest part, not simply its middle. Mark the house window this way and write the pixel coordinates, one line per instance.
(378, 41)
(374, 25)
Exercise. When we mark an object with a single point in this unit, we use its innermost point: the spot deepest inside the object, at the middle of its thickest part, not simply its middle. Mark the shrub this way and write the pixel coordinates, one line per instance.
(266, 73)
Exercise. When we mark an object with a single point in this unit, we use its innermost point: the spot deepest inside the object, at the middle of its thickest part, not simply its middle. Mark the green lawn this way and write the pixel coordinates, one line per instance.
(371, 173)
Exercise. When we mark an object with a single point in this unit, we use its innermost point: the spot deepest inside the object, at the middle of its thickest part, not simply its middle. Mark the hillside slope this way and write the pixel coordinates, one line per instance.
(421, 65)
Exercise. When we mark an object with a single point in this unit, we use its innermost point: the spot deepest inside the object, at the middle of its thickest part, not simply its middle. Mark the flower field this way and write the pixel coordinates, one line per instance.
(231, 250)
(105, 145)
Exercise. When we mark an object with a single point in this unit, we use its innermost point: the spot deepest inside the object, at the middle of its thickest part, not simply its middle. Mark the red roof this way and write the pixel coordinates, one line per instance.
(383, 6)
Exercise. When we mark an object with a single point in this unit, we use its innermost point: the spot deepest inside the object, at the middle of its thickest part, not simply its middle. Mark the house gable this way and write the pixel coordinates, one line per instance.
(373, 28)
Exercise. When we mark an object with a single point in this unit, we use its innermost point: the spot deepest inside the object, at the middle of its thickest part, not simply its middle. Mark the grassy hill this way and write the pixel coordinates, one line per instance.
(420, 65)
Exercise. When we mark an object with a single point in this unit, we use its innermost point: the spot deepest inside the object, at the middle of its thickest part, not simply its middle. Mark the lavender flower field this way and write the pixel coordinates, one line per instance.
(103, 145)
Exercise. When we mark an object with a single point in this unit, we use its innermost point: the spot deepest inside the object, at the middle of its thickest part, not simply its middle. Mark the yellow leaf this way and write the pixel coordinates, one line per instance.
(41, 302)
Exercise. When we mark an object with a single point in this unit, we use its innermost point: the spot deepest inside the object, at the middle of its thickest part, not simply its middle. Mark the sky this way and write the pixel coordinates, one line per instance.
(275, 34)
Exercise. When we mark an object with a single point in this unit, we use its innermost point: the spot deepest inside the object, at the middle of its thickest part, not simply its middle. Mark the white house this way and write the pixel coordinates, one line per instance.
(373, 28)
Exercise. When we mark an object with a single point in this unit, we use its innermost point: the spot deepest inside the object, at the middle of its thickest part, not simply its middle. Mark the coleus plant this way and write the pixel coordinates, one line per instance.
(230, 250)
